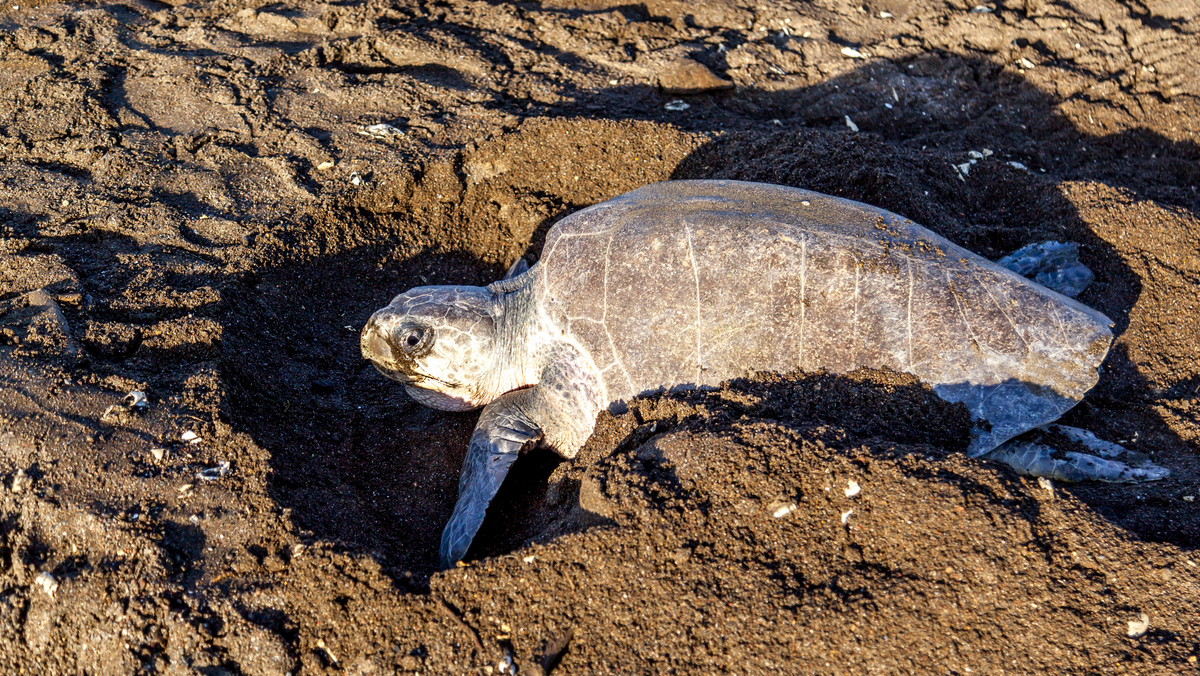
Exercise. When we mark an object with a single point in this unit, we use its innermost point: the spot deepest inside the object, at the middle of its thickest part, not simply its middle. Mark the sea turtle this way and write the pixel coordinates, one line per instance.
(690, 283)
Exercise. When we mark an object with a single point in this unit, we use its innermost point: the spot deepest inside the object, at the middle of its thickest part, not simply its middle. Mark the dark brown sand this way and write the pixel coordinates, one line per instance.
(192, 194)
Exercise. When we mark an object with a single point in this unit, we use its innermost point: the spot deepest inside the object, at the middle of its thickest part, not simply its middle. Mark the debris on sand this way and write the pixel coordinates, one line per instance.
(49, 585)
(136, 400)
(214, 473)
(381, 132)
(1139, 627)
(20, 481)
(333, 660)
(852, 488)
(677, 105)
(189, 437)
(852, 53)
(781, 509)
(850, 123)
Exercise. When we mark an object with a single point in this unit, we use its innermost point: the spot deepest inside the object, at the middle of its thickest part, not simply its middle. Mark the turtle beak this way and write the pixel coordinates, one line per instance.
(375, 346)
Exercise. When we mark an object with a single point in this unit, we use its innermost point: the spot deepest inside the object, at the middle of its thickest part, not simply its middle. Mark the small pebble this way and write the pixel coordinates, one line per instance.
(158, 454)
(190, 437)
(981, 9)
(885, 15)
(529, 559)
(1045, 483)
(47, 582)
(677, 105)
(852, 488)
(324, 166)
(1018, 165)
(850, 123)
(185, 488)
(1189, 498)
(846, 515)
(853, 53)
(1025, 63)
(355, 179)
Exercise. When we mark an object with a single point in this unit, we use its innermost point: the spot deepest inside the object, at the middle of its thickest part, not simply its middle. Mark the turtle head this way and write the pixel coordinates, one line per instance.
(438, 341)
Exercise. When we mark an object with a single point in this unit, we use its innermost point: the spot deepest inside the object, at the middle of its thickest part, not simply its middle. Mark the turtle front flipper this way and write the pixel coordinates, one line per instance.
(502, 431)
(1038, 459)
(560, 411)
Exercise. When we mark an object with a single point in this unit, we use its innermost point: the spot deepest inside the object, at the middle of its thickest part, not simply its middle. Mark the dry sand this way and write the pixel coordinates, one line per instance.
(194, 203)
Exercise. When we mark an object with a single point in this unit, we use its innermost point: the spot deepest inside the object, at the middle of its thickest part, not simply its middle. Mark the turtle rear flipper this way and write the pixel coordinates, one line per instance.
(1040, 460)
(1054, 265)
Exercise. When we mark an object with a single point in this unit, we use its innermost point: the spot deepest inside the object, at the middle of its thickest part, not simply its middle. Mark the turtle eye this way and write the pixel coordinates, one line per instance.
(412, 337)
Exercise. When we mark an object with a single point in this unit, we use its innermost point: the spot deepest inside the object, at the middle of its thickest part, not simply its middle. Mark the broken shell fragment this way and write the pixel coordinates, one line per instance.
(136, 400)
(214, 473)
(190, 437)
(49, 585)
(780, 509)
(852, 488)
(1139, 627)
(382, 131)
